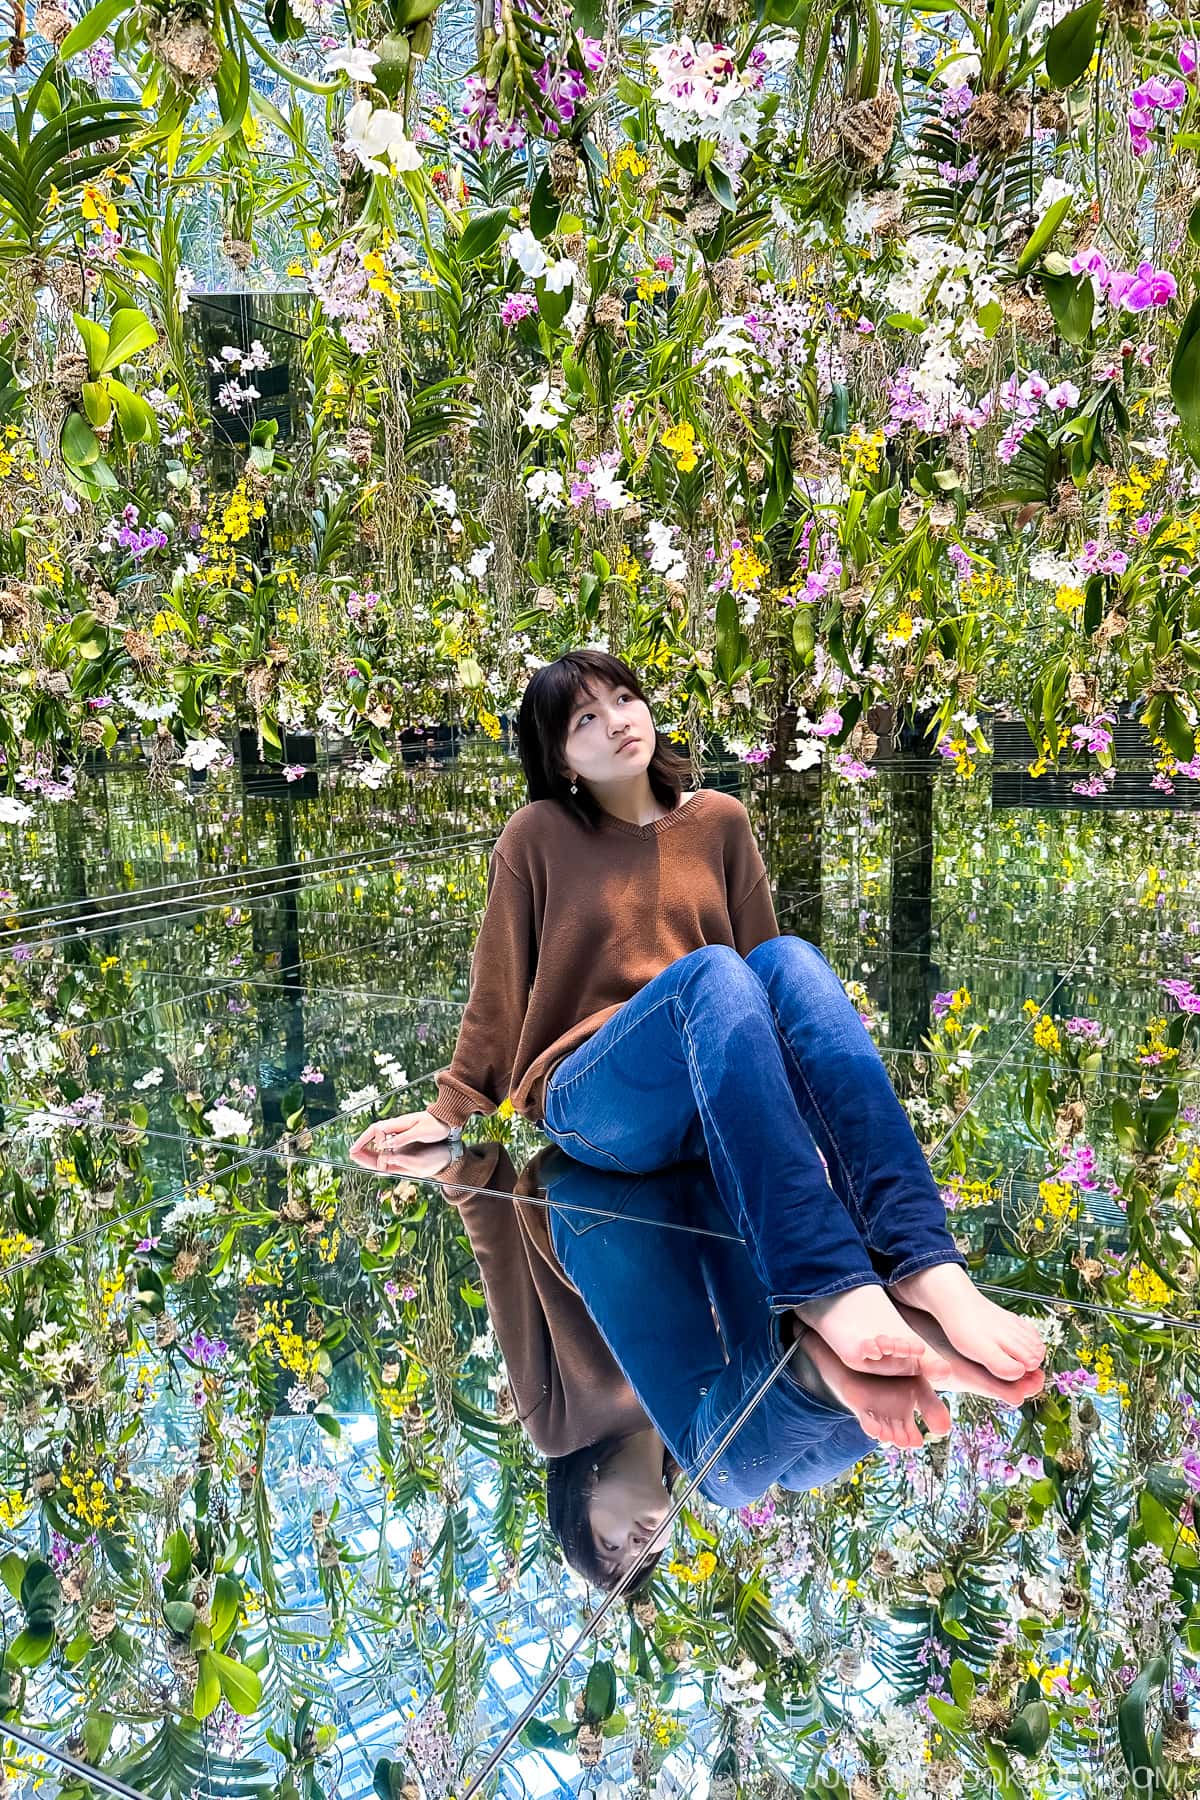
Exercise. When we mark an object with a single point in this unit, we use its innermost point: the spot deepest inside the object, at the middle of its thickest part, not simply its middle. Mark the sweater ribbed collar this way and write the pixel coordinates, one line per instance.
(656, 826)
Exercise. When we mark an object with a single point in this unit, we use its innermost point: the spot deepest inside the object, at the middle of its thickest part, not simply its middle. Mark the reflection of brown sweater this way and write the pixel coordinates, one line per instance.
(577, 922)
(568, 1389)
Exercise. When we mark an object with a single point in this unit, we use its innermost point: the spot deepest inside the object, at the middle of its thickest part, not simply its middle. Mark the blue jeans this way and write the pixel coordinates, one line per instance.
(687, 1321)
(754, 1062)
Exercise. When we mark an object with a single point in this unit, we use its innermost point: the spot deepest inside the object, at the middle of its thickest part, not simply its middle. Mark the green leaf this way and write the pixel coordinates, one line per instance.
(208, 1688)
(962, 1683)
(600, 1693)
(95, 341)
(1142, 1753)
(1185, 369)
(92, 26)
(79, 444)
(544, 207)
(1042, 233)
(720, 187)
(553, 308)
(137, 420)
(32, 1646)
(483, 234)
(1176, 730)
(240, 1685)
(129, 332)
(12, 1571)
(180, 1616)
(178, 1552)
(1072, 300)
(1071, 44)
(395, 57)
(226, 1606)
(1030, 1729)
(40, 1591)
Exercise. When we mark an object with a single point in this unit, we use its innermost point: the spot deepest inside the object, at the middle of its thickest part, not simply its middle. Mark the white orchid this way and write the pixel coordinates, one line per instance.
(545, 487)
(228, 1122)
(545, 409)
(525, 249)
(561, 275)
(358, 60)
(201, 753)
(378, 139)
(14, 811)
(477, 567)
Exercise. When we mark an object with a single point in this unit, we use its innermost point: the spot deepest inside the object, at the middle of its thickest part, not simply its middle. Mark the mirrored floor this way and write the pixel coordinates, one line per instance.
(297, 1457)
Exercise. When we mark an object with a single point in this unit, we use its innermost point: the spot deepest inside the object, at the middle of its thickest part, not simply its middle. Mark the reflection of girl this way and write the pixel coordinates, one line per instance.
(631, 990)
(569, 1391)
(688, 1320)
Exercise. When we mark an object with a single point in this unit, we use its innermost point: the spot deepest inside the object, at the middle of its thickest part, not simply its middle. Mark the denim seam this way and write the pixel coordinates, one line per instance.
(598, 1150)
(915, 1264)
(570, 1080)
(785, 1303)
(704, 1105)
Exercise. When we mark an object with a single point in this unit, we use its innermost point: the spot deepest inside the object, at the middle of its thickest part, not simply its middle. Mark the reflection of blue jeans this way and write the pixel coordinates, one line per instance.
(653, 1292)
(747, 1061)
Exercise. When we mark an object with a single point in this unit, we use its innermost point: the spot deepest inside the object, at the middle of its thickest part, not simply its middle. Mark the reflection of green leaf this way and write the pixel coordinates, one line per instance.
(600, 1694)
(180, 1616)
(207, 1697)
(32, 1646)
(240, 1685)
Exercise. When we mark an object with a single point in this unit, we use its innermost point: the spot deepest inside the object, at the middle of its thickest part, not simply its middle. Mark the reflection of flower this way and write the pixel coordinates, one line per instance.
(227, 1122)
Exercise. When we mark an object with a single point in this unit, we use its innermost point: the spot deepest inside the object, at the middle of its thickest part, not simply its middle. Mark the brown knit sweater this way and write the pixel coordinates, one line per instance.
(577, 922)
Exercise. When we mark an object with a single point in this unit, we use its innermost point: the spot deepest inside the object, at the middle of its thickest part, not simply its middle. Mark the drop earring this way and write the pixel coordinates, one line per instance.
(574, 787)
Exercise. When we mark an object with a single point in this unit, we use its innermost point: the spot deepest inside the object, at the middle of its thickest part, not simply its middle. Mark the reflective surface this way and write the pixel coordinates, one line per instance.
(273, 1503)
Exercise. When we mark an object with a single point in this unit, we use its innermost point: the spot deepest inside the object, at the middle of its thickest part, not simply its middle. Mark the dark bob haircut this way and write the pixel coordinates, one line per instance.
(570, 1484)
(549, 699)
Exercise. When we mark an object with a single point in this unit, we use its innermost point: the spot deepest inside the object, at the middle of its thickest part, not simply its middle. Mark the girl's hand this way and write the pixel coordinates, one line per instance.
(423, 1160)
(401, 1133)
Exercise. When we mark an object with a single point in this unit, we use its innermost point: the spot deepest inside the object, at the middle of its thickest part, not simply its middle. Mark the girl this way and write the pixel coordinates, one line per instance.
(631, 991)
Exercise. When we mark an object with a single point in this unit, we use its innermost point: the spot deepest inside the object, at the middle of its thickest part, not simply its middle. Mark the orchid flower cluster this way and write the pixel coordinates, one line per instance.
(1156, 95)
(564, 89)
(1136, 291)
(703, 93)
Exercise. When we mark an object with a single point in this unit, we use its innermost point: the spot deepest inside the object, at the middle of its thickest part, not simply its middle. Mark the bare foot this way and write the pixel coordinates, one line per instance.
(945, 1369)
(884, 1405)
(865, 1330)
(982, 1331)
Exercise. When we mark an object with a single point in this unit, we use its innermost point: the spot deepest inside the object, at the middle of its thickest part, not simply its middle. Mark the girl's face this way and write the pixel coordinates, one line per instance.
(610, 737)
(626, 1512)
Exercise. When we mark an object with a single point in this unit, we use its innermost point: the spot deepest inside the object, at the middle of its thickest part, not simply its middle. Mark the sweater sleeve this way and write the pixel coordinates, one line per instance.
(751, 909)
(479, 1074)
